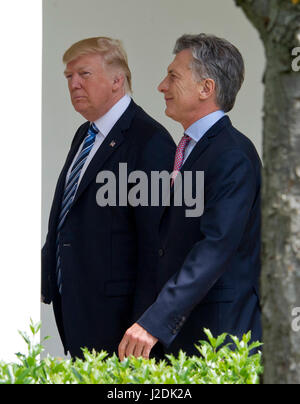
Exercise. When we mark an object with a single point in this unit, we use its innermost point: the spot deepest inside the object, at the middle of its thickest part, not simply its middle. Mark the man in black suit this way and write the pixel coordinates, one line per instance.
(208, 275)
(95, 255)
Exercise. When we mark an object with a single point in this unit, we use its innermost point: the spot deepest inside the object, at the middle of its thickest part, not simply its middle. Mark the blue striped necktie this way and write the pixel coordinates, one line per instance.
(70, 192)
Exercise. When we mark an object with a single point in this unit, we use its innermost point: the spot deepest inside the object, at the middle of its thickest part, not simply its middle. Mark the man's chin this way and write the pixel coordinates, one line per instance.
(170, 114)
(83, 111)
(79, 107)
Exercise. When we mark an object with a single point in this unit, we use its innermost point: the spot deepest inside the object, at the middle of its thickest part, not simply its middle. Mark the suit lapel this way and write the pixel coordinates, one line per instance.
(62, 178)
(204, 142)
(199, 149)
(111, 143)
(107, 148)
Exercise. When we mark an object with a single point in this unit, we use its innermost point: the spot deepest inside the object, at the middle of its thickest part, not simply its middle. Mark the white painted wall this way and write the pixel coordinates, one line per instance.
(148, 30)
(20, 171)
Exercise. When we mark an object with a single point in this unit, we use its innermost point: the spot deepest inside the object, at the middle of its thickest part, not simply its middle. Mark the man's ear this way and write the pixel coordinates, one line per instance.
(118, 81)
(207, 88)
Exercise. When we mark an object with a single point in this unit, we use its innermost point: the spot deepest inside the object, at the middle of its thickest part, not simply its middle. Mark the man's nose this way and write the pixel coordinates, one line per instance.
(75, 82)
(163, 86)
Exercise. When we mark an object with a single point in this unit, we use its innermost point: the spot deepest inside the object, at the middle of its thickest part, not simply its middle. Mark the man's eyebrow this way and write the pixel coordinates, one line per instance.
(85, 67)
(172, 71)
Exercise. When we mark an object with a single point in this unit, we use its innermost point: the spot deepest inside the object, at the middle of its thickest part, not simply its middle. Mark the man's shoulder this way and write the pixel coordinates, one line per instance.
(150, 126)
(230, 138)
(146, 130)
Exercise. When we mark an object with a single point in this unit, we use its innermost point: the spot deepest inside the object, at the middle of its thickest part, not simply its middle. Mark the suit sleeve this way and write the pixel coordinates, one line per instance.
(229, 195)
(48, 251)
(158, 155)
(45, 276)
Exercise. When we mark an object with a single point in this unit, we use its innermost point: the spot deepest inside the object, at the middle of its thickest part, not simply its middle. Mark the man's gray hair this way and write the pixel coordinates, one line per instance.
(219, 60)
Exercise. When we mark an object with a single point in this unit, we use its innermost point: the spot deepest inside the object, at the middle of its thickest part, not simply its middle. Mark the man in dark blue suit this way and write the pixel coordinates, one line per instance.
(95, 255)
(209, 266)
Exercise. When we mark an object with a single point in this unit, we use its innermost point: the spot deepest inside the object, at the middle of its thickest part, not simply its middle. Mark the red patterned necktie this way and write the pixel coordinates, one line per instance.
(179, 157)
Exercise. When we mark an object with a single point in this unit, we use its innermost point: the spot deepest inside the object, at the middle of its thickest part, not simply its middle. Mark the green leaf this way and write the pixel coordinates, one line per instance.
(216, 364)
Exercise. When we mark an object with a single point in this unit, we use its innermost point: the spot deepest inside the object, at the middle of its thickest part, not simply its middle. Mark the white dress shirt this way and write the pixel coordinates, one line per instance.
(198, 129)
(104, 124)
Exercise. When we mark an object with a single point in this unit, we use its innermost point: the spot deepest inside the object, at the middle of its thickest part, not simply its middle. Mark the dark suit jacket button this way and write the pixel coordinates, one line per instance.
(174, 332)
(161, 252)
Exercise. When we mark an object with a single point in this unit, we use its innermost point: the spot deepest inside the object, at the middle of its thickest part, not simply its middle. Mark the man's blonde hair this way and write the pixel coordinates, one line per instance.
(110, 49)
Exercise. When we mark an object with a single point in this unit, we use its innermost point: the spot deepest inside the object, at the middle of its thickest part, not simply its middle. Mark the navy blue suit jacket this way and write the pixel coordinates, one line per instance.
(208, 273)
(105, 250)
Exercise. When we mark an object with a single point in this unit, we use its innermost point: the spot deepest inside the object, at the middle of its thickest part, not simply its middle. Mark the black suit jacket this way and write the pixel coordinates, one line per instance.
(208, 274)
(105, 250)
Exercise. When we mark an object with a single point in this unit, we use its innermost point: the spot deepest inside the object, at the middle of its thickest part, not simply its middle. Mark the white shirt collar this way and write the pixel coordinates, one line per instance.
(198, 129)
(107, 121)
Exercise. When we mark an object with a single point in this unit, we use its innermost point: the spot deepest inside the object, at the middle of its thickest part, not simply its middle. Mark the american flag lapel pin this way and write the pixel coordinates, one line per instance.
(112, 144)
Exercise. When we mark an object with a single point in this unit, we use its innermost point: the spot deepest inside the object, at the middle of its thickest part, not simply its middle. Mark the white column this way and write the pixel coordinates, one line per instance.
(20, 170)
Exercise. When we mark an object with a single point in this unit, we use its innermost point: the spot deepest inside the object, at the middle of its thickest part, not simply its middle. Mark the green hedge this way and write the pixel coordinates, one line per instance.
(213, 366)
